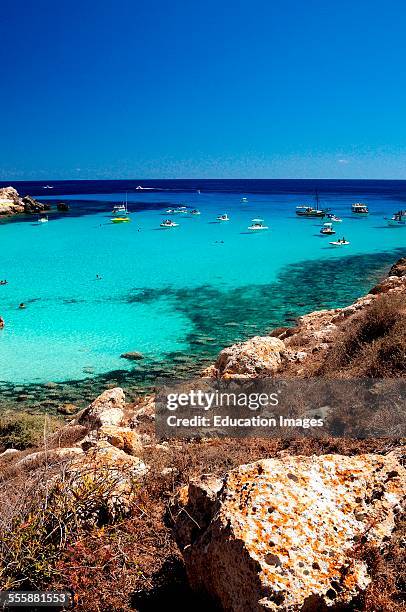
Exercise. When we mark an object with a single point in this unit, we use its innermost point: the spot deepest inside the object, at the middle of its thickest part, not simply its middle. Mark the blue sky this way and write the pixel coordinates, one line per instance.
(186, 88)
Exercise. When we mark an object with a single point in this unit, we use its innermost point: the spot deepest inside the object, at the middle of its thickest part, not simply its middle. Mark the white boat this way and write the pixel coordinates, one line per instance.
(47, 187)
(244, 200)
(195, 212)
(257, 225)
(334, 218)
(42, 220)
(179, 210)
(398, 219)
(327, 229)
(168, 223)
(339, 242)
(223, 218)
(359, 209)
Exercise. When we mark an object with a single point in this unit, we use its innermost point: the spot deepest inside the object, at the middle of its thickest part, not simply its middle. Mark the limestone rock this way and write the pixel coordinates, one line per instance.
(277, 534)
(107, 409)
(260, 355)
(53, 455)
(10, 452)
(124, 438)
(10, 202)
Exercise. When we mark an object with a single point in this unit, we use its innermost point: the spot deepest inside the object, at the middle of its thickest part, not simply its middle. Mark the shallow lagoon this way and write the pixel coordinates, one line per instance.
(175, 295)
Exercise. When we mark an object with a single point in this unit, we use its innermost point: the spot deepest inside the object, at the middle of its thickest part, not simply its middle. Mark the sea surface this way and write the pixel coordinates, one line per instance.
(180, 295)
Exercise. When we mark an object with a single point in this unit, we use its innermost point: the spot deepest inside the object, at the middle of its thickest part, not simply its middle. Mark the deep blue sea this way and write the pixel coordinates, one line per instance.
(179, 295)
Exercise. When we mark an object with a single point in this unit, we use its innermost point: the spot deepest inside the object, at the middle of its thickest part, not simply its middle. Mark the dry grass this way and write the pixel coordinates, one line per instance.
(371, 344)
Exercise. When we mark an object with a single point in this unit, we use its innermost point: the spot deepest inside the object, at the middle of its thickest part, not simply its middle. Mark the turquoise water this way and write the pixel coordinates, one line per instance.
(172, 294)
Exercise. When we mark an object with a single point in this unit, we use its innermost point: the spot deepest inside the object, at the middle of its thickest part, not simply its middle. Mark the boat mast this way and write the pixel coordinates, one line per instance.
(317, 199)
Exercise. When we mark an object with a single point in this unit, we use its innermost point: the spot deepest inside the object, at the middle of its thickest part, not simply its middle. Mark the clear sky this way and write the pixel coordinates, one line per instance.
(202, 88)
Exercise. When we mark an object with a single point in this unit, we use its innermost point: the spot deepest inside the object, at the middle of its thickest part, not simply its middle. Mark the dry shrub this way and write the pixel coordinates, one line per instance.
(372, 343)
(25, 430)
(46, 510)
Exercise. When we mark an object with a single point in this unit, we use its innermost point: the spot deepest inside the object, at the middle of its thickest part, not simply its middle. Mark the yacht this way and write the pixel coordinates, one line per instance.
(244, 200)
(327, 229)
(168, 223)
(359, 209)
(257, 225)
(43, 220)
(195, 212)
(224, 217)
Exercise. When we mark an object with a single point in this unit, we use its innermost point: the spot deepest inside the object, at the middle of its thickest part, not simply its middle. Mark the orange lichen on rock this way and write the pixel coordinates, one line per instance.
(280, 531)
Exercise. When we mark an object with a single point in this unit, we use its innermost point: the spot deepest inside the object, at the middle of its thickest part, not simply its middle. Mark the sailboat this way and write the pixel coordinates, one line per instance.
(310, 211)
(122, 210)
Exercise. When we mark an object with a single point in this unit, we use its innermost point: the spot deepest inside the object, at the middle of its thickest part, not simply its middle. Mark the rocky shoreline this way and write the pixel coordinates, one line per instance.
(11, 203)
(254, 525)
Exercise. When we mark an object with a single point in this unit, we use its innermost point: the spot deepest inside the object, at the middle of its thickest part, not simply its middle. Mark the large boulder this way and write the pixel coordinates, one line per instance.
(107, 409)
(279, 534)
(260, 355)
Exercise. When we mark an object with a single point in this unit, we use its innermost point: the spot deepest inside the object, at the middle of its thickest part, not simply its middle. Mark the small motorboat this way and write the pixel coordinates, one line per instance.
(223, 218)
(120, 219)
(168, 223)
(398, 219)
(257, 225)
(327, 229)
(340, 242)
(195, 212)
(42, 220)
(244, 200)
(359, 209)
(334, 218)
(47, 187)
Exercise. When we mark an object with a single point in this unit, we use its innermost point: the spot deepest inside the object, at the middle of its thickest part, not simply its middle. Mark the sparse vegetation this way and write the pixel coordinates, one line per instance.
(23, 430)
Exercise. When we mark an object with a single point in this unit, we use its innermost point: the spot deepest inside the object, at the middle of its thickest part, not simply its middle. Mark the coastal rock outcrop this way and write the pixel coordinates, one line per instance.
(11, 203)
(279, 534)
(260, 355)
(32, 206)
(107, 409)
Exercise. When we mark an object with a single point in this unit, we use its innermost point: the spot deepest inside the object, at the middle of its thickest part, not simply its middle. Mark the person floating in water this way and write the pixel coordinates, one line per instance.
(98, 277)
(3, 282)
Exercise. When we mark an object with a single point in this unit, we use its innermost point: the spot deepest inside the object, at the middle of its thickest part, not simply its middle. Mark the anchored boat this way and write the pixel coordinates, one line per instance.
(168, 223)
(359, 209)
(310, 211)
(257, 225)
(340, 242)
(398, 219)
(223, 218)
(327, 229)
